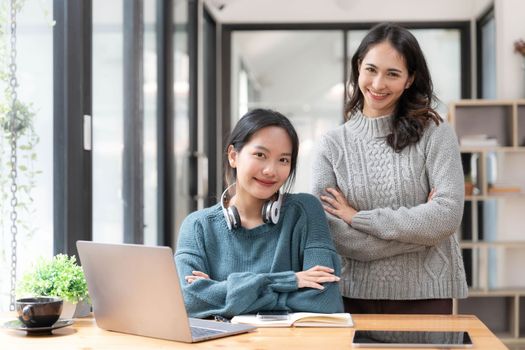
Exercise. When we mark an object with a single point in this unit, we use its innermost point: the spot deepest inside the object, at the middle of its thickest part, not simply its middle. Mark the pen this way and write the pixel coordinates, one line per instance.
(220, 318)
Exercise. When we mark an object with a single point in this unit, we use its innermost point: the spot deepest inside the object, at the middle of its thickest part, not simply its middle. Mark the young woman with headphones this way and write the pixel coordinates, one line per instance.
(259, 248)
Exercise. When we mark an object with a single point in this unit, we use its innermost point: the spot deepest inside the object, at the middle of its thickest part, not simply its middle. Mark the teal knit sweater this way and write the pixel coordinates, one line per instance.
(252, 270)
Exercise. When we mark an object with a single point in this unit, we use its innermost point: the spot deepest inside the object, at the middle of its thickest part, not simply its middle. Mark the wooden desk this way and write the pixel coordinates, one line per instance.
(85, 335)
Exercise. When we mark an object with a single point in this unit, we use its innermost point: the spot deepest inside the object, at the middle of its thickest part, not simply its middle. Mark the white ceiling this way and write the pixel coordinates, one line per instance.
(326, 11)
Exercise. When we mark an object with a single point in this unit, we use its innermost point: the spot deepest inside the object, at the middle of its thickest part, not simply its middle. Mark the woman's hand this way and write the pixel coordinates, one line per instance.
(431, 195)
(337, 205)
(195, 276)
(313, 277)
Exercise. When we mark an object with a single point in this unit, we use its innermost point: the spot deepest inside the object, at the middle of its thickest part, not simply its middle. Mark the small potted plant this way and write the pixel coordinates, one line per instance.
(61, 277)
(519, 47)
(469, 185)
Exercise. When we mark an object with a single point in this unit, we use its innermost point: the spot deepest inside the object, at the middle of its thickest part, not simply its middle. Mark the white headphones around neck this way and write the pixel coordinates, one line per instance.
(270, 210)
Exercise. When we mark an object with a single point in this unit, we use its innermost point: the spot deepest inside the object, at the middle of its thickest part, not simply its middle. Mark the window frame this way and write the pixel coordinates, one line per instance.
(72, 100)
(228, 29)
(481, 21)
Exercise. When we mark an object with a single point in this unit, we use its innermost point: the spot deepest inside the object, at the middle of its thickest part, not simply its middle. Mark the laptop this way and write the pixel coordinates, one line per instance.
(135, 289)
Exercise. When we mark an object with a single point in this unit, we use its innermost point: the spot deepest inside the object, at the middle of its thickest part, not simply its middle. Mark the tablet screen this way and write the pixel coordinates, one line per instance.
(404, 339)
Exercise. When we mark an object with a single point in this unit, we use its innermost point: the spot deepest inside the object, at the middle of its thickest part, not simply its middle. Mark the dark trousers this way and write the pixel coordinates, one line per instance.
(424, 306)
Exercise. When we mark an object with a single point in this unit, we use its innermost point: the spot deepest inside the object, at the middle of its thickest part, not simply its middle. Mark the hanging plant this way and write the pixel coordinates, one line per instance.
(27, 140)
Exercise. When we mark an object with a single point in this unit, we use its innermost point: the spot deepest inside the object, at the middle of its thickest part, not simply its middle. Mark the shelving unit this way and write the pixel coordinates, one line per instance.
(492, 233)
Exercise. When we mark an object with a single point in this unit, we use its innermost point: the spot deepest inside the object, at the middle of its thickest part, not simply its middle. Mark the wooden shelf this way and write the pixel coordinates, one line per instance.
(496, 292)
(495, 196)
(492, 233)
(494, 118)
(481, 244)
(491, 149)
(483, 102)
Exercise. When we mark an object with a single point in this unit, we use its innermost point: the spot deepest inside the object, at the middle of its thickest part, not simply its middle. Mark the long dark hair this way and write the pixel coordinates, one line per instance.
(247, 126)
(414, 108)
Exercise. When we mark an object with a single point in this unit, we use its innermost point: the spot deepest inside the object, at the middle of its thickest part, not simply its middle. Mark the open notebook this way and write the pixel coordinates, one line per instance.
(299, 319)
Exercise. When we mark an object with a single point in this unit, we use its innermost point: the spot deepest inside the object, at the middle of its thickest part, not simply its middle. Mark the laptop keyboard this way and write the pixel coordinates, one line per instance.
(198, 332)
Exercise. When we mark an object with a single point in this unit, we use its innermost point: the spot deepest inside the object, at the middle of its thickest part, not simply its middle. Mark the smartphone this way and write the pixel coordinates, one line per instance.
(273, 315)
(411, 339)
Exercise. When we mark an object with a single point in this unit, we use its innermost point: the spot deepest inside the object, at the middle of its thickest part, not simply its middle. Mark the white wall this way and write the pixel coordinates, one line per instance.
(510, 26)
(480, 6)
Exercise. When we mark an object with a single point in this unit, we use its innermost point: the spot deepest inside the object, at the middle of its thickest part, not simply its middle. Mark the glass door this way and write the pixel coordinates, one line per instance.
(296, 72)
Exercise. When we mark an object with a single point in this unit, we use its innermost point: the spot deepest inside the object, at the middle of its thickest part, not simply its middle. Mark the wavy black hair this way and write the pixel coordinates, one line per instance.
(247, 126)
(414, 109)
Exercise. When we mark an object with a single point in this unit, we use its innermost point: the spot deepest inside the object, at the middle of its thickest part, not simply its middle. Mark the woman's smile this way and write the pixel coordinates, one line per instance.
(378, 95)
(268, 183)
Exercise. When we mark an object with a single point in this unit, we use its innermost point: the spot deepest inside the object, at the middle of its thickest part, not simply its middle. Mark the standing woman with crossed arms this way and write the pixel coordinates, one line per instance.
(391, 182)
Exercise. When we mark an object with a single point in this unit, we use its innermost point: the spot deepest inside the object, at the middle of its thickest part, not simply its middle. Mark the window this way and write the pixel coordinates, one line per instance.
(125, 97)
(150, 123)
(108, 120)
(35, 157)
(301, 73)
(181, 127)
(296, 72)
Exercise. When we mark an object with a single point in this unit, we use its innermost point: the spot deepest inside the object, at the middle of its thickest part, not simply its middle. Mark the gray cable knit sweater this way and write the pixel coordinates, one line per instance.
(399, 246)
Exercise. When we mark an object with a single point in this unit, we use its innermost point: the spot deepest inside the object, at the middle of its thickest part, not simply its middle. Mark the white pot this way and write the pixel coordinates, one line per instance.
(68, 310)
(83, 309)
(74, 310)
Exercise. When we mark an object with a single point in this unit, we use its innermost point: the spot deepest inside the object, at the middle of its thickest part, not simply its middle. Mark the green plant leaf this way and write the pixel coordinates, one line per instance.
(60, 276)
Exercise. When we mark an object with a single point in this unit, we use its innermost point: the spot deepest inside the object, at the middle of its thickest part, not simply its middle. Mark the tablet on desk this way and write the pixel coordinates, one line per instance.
(411, 339)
